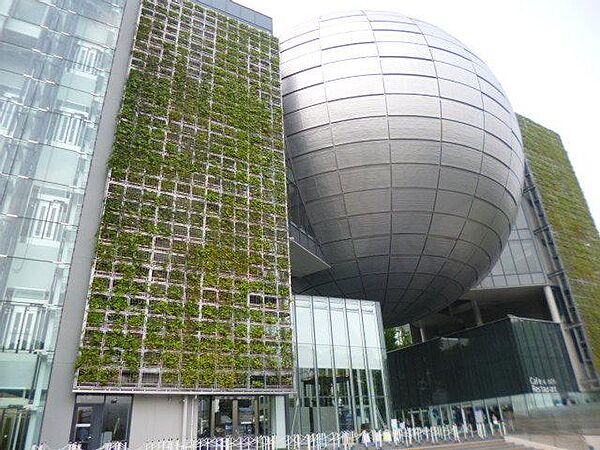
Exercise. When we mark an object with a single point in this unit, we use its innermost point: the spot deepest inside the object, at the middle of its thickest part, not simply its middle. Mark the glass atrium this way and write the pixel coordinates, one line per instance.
(341, 359)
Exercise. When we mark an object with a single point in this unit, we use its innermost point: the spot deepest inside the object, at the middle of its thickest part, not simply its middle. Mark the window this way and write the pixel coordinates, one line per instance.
(8, 111)
(20, 328)
(68, 129)
(86, 59)
(47, 214)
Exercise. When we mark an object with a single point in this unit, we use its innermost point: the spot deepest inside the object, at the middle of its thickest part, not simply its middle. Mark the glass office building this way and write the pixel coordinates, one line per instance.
(55, 61)
(341, 365)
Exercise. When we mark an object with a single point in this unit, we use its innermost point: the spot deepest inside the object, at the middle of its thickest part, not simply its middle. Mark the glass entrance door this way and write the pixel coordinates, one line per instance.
(87, 425)
(234, 416)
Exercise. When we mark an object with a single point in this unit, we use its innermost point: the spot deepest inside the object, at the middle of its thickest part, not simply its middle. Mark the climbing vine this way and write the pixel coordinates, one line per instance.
(190, 288)
(572, 225)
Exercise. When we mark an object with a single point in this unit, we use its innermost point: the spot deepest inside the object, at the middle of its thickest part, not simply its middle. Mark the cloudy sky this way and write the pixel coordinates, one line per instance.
(546, 54)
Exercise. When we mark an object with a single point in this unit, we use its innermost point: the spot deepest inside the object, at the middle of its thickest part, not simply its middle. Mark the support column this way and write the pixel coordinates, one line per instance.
(551, 302)
(477, 313)
(423, 334)
(278, 416)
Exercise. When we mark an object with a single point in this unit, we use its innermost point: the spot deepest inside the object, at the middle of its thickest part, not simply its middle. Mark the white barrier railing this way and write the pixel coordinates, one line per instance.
(405, 437)
(72, 446)
(224, 443)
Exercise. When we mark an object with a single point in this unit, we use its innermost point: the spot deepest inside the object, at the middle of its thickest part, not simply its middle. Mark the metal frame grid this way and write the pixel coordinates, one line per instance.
(191, 283)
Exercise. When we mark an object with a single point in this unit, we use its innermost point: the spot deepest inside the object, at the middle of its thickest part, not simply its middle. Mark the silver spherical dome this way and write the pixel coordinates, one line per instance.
(407, 155)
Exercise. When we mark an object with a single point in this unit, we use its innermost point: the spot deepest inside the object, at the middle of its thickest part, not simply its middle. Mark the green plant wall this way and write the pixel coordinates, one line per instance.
(571, 221)
(191, 285)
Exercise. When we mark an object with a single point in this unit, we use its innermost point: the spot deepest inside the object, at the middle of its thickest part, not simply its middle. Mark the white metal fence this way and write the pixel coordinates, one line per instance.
(405, 437)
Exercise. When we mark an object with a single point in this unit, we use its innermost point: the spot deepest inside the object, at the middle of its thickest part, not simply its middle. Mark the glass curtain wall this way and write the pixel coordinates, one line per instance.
(55, 61)
(520, 262)
(341, 376)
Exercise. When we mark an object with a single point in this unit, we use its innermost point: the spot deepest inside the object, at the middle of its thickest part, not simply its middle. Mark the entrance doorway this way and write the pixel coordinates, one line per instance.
(98, 419)
(234, 416)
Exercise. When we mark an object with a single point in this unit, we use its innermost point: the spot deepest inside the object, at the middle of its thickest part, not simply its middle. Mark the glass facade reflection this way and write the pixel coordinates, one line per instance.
(509, 357)
(341, 360)
(520, 262)
(55, 61)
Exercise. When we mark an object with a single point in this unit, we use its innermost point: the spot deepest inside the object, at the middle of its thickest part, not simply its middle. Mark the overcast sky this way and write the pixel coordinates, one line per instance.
(546, 54)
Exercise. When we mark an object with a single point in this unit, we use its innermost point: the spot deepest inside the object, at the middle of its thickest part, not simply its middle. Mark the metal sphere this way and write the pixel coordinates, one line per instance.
(407, 155)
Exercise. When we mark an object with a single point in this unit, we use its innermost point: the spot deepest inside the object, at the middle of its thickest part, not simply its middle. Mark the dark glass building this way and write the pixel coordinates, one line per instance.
(509, 365)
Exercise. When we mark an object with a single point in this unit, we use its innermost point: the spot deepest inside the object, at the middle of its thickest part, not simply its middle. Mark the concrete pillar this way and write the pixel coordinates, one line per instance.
(551, 302)
(278, 419)
(423, 334)
(476, 312)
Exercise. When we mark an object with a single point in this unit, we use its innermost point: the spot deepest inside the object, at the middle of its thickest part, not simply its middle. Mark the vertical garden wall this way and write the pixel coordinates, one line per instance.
(571, 221)
(190, 289)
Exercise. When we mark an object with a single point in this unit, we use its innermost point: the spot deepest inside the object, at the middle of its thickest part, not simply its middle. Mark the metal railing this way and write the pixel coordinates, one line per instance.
(404, 437)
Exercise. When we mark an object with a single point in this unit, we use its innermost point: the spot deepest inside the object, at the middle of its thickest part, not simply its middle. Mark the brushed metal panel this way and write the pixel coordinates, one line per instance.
(370, 225)
(365, 177)
(301, 63)
(447, 45)
(311, 164)
(309, 117)
(415, 151)
(398, 36)
(438, 246)
(348, 52)
(373, 264)
(309, 140)
(319, 186)
(461, 157)
(366, 202)
(354, 87)
(352, 67)
(302, 80)
(345, 38)
(498, 128)
(354, 108)
(462, 93)
(450, 58)
(410, 84)
(413, 199)
(333, 230)
(372, 246)
(408, 66)
(408, 158)
(463, 134)
(415, 176)
(358, 130)
(413, 105)
(404, 49)
(458, 74)
(461, 112)
(361, 153)
(410, 222)
(453, 203)
(297, 40)
(414, 128)
(301, 99)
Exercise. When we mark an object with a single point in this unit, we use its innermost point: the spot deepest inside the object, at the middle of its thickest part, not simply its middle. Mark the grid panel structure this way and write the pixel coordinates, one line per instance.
(190, 289)
(407, 155)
